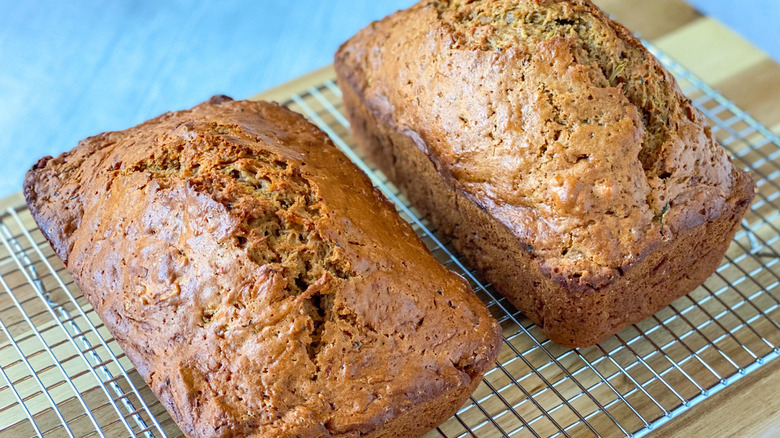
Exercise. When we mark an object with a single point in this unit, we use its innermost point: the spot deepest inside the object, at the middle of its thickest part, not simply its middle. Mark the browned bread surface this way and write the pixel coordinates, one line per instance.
(257, 281)
(553, 148)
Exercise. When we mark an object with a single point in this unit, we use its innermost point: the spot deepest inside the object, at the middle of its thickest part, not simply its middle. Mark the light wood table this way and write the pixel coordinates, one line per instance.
(744, 74)
(750, 407)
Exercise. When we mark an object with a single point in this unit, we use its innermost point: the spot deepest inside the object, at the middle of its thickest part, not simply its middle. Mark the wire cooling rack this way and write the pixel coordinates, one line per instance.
(63, 374)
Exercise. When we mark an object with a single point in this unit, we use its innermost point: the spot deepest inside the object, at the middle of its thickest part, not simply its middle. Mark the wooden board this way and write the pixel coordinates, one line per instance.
(745, 75)
(749, 78)
(751, 407)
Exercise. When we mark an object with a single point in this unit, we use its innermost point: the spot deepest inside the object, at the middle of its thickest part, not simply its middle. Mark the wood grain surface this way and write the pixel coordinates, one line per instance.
(750, 407)
(748, 77)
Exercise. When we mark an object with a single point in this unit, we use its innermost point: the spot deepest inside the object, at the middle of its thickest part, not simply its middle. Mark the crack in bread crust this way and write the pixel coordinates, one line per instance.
(552, 118)
(257, 281)
(278, 208)
(554, 150)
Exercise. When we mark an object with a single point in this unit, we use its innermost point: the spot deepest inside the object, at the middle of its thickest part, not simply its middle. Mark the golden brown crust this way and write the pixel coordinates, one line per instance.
(603, 144)
(567, 317)
(554, 122)
(256, 279)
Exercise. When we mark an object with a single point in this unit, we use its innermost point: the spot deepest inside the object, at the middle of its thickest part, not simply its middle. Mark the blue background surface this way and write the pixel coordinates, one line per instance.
(70, 69)
(756, 20)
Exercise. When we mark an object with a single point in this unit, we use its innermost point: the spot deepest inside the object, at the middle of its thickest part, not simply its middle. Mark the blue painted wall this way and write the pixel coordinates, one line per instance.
(756, 20)
(70, 69)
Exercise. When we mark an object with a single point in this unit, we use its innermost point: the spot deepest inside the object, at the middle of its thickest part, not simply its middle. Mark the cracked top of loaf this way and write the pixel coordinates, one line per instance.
(552, 118)
(254, 277)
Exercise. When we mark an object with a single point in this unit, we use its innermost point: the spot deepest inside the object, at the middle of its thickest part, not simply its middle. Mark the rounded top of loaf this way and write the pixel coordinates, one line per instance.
(552, 118)
(254, 276)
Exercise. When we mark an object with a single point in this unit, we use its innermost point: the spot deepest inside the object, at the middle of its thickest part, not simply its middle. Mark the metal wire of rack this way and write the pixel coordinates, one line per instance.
(63, 374)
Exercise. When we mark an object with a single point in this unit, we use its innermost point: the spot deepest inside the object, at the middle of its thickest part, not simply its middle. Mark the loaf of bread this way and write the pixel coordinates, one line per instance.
(553, 149)
(257, 281)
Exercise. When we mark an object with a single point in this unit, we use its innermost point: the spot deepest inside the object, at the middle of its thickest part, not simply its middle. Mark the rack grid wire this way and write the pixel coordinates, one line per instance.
(63, 374)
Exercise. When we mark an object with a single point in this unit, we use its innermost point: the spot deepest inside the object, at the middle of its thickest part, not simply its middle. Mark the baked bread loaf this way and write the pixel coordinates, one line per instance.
(257, 281)
(553, 149)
